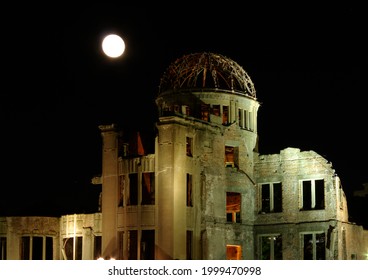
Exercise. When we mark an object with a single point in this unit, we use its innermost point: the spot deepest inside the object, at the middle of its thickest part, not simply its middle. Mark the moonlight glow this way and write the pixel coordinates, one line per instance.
(113, 45)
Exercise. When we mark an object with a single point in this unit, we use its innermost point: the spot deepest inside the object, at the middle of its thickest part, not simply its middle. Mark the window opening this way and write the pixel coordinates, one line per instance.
(68, 248)
(189, 245)
(148, 188)
(271, 247)
(189, 143)
(2, 248)
(97, 247)
(36, 248)
(189, 190)
(271, 198)
(231, 156)
(233, 207)
(205, 112)
(225, 114)
(148, 245)
(133, 189)
(121, 245)
(121, 191)
(132, 245)
(216, 110)
(240, 117)
(312, 195)
(313, 245)
(233, 252)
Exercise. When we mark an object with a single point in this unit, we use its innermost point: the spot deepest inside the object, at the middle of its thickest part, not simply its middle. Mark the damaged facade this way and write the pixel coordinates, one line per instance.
(206, 192)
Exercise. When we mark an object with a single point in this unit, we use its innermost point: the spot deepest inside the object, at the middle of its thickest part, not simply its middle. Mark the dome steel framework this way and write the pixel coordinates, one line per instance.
(206, 71)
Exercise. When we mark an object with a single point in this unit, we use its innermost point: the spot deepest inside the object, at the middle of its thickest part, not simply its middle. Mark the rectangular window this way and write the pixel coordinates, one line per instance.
(313, 246)
(233, 252)
(189, 147)
(189, 244)
(49, 248)
(250, 121)
(25, 248)
(229, 156)
(216, 110)
(71, 243)
(185, 110)
(225, 114)
(132, 245)
(148, 188)
(148, 245)
(133, 189)
(189, 190)
(271, 247)
(271, 198)
(205, 112)
(120, 245)
(312, 194)
(97, 247)
(233, 207)
(36, 248)
(121, 191)
(246, 120)
(240, 117)
(2, 248)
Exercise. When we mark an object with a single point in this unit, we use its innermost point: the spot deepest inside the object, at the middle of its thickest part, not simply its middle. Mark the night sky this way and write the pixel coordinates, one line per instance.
(308, 64)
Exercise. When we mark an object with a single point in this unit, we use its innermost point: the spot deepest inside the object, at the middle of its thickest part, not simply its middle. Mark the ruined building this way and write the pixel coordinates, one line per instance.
(206, 192)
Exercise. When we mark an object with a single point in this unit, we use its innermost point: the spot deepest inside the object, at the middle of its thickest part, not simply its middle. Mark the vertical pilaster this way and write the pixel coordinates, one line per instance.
(109, 190)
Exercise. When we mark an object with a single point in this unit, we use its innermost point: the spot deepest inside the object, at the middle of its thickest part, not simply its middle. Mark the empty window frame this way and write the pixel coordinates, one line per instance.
(250, 121)
(72, 248)
(243, 118)
(189, 146)
(313, 246)
(233, 252)
(225, 115)
(246, 119)
(312, 194)
(36, 248)
(205, 112)
(231, 156)
(233, 207)
(148, 245)
(121, 190)
(132, 245)
(189, 184)
(97, 247)
(148, 188)
(2, 248)
(270, 247)
(176, 108)
(189, 245)
(133, 189)
(185, 110)
(271, 197)
(216, 110)
(120, 252)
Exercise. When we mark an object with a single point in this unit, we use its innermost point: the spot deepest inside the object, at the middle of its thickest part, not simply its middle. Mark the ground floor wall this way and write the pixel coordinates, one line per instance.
(79, 237)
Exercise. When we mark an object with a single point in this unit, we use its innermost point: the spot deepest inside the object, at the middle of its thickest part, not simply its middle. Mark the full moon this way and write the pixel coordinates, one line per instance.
(113, 45)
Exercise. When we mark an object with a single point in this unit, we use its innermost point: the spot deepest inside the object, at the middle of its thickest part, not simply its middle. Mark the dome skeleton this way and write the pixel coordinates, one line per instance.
(206, 70)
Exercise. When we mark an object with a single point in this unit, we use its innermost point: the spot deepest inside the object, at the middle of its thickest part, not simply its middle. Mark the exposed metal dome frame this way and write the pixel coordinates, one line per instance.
(205, 71)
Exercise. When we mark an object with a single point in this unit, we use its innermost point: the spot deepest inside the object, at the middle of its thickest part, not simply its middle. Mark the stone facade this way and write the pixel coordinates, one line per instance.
(206, 192)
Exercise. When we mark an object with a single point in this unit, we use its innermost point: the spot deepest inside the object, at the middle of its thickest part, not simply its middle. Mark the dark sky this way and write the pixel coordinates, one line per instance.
(308, 64)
